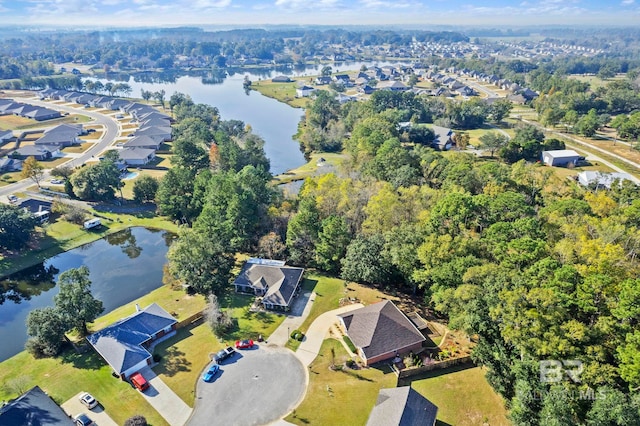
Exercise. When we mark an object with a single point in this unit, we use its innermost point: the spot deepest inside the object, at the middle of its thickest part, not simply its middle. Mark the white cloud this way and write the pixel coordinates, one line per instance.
(628, 2)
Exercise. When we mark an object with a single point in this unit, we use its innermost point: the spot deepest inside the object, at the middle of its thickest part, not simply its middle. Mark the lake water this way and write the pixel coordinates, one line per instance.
(274, 121)
(123, 267)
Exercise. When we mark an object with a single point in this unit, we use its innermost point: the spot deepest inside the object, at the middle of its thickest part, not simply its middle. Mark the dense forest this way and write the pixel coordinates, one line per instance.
(533, 267)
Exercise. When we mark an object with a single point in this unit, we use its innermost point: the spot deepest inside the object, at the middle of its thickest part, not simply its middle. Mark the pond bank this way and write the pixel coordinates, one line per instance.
(62, 236)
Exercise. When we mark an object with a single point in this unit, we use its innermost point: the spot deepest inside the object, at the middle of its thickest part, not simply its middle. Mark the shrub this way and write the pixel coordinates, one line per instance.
(297, 335)
(136, 420)
(351, 363)
(350, 344)
(156, 357)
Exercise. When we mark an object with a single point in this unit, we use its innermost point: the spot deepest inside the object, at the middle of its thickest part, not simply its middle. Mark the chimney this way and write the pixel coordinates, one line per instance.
(137, 308)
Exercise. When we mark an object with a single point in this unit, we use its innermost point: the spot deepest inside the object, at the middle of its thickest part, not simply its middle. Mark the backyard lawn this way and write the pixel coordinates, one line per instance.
(66, 375)
(340, 397)
(311, 168)
(463, 396)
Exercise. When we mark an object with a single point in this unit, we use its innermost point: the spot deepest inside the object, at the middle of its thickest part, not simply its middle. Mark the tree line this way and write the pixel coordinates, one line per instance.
(534, 267)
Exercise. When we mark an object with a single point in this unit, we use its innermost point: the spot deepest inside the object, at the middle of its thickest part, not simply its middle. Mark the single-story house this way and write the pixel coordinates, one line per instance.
(322, 80)
(560, 157)
(443, 139)
(304, 91)
(126, 345)
(402, 406)
(35, 206)
(602, 179)
(281, 79)
(34, 408)
(154, 121)
(62, 135)
(275, 282)
(163, 133)
(393, 85)
(5, 135)
(143, 142)
(137, 156)
(366, 89)
(39, 152)
(380, 332)
(10, 165)
(42, 114)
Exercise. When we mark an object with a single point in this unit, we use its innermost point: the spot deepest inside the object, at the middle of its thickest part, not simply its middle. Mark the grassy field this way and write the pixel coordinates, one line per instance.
(283, 92)
(463, 396)
(594, 81)
(311, 168)
(340, 397)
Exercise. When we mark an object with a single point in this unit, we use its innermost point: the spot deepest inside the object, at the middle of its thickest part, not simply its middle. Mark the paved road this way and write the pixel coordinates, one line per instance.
(111, 132)
(256, 387)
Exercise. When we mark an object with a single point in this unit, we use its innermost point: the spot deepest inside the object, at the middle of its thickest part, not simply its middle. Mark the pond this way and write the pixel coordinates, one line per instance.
(123, 266)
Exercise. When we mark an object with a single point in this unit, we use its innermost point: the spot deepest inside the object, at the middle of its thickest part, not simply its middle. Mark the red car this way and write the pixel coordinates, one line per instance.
(244, 344)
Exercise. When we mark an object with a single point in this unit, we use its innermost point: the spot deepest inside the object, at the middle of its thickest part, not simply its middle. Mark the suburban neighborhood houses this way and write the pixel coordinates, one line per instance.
(298, 224)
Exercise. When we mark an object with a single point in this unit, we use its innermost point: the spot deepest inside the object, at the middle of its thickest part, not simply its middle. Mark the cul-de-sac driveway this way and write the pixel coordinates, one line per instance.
(255, 387)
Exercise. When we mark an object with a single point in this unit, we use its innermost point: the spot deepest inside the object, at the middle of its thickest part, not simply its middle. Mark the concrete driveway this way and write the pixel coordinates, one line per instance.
(73, 407)
(255, 387)
(169, 405)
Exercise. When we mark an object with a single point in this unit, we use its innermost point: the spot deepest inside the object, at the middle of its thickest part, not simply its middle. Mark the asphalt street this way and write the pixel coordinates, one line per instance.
(255, 387)
(111, 131)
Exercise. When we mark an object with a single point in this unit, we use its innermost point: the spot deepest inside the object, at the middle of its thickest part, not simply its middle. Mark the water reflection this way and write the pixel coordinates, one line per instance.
(122, 266)
(127, 242)
(28, 283)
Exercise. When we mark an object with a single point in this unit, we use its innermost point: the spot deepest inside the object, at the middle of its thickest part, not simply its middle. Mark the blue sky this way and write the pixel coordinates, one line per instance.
(135, 13)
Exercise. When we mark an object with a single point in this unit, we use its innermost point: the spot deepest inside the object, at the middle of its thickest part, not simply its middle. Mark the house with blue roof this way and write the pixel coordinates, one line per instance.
(127, 345)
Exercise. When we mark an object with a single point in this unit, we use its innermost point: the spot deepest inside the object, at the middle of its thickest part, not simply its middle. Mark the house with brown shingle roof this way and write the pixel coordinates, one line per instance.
(381, 331)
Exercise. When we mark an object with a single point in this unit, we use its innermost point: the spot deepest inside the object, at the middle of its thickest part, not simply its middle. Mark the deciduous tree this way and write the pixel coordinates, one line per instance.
(32, 169)
(74, 301)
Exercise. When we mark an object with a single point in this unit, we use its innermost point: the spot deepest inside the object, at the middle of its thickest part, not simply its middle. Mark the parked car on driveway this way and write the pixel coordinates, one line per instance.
(244, 344)
(223, 354)
(57, 181)
(12, 198)
(88, 400)
(211, 372)
(139, 382)
(83, 420)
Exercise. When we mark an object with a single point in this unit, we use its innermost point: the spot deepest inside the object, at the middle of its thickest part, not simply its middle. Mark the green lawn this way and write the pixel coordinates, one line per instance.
(340, 397)
(248, 325)
(63, 377)
(183, 359)
(283, 92)
(463, 396)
